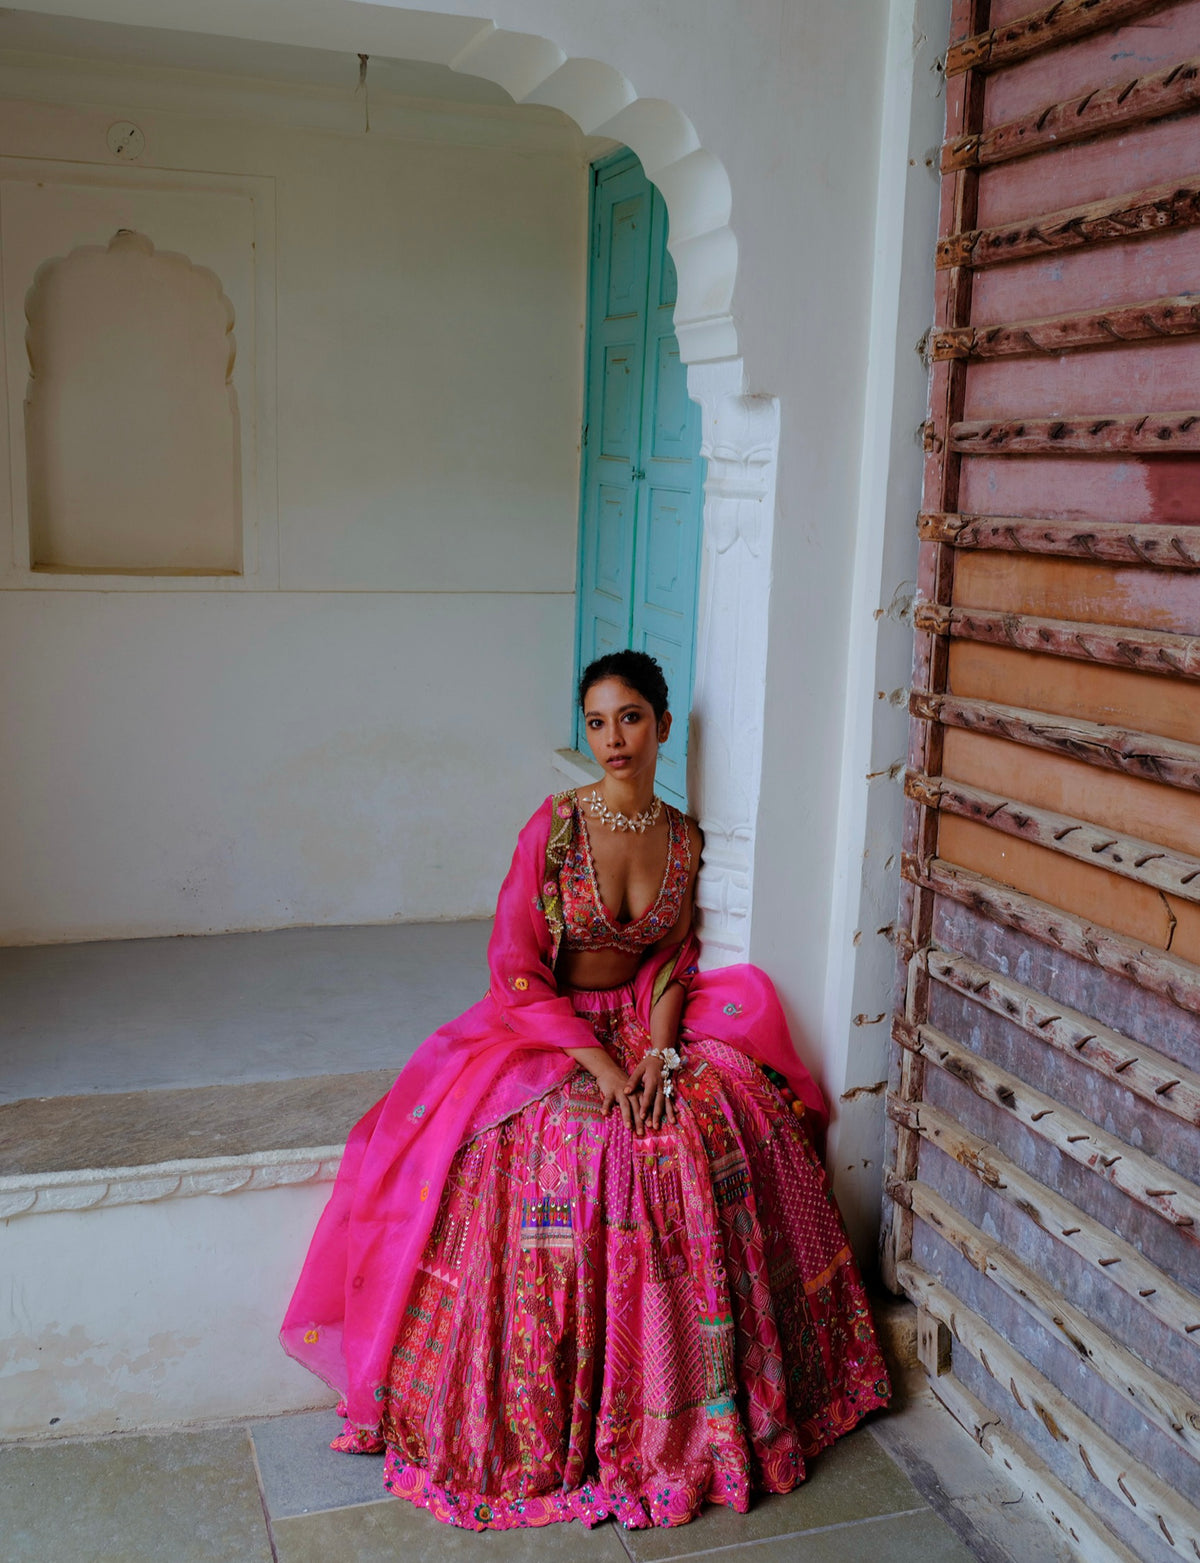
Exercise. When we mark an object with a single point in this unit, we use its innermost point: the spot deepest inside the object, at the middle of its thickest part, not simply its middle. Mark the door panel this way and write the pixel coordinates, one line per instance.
(1044, 1112)
(643, 485)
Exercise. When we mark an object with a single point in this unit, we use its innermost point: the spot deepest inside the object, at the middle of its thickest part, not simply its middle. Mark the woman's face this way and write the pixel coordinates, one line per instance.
(622, 732)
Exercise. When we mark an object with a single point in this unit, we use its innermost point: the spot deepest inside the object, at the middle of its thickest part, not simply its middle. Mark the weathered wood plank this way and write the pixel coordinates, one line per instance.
(1151, 1075)
(1127, 434)
(1142, 1179)
(1108, 542)
(1155, 970)
(1166, 1514)
(1134, 216)
(1116, 749)
(1114, 1261)
(1142, 861)
(952, 307)
(1154, 320)
(1102, 111)
(1066, 1512)
(1164, 1404)
(1146, 651)
(1047, 28)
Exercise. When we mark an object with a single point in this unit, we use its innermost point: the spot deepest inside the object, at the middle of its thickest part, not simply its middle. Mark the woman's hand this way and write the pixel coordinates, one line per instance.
(652, 1101)
(615, 1087)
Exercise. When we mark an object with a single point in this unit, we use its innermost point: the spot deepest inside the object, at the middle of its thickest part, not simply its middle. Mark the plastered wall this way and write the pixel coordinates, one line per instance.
(352, 731)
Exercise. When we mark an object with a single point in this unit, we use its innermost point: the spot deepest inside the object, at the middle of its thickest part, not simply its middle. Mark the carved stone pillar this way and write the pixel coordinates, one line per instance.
(741, 444)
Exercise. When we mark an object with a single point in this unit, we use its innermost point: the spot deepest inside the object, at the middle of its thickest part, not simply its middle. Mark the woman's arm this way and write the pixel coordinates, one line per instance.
(655, 1101)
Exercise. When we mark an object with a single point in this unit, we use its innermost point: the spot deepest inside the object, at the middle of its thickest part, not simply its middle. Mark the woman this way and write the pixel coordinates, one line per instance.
(582, 1260)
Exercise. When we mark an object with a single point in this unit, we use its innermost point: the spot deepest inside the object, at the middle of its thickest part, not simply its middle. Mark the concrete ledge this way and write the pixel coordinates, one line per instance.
(26, 1194)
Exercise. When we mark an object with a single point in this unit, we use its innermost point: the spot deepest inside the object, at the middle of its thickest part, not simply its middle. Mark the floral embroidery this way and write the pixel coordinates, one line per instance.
(520, 983)
(549, 888)
(733, 1009)
(775, 1320)
(418, 1112)
(424, 1192)
(564, 811)
(311, 1337)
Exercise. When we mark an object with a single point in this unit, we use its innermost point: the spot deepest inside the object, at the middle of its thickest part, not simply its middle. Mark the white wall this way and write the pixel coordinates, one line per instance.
(790, 96)
(358, 742)
(148, 1315)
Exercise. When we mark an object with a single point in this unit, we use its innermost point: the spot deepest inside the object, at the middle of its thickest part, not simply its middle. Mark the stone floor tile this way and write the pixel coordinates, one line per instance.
(187, 1497)
(976, 1497)
(897, 1538)
(851, 1481)
(394, 1530)
(302, 1475)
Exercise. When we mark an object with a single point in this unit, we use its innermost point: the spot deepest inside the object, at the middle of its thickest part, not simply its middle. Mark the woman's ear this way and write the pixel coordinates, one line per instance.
(664, 727)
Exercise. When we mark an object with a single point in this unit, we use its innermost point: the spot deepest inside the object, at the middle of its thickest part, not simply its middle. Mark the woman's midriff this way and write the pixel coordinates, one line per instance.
(596, 968)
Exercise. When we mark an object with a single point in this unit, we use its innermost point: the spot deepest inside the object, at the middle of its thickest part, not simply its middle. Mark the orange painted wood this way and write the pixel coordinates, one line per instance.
(1138, 912)
(1115, 850)
(1080, 590)
(1054, 781)
(1149, 651)
(1143, 702)
(1123, 749)
(1155, 970)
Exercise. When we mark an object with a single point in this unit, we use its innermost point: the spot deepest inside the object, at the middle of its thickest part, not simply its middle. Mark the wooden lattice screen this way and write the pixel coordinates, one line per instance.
(1044, 1141)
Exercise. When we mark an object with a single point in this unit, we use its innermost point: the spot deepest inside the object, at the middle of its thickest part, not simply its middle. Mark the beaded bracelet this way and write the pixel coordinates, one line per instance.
(671, 1061)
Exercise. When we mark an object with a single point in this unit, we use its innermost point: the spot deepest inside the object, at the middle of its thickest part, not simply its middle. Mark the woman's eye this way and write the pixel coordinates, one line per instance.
(594, 721)
(633, 716)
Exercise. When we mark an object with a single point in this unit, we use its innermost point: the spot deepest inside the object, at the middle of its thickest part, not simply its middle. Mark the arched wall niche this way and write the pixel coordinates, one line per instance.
(131, 418)
(740, 443)
(741, 432)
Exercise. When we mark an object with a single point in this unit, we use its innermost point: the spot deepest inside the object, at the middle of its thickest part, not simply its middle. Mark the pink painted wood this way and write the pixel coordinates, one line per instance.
(1091, 730)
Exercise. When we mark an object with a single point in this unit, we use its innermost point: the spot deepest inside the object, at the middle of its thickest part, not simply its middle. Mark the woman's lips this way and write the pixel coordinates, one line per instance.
(617, 760)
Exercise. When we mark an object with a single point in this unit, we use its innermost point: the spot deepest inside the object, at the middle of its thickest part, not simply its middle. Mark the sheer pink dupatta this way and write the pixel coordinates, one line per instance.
(503, 1053)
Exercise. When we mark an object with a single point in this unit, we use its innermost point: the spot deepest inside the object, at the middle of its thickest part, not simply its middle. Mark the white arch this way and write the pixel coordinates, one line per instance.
(694, 183)
(740, 441)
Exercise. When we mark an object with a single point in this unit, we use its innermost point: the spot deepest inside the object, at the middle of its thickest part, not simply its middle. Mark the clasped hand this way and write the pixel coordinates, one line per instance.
(639, 1095)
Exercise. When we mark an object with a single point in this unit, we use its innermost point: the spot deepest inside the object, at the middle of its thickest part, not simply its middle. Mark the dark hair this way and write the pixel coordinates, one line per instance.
(637, 669)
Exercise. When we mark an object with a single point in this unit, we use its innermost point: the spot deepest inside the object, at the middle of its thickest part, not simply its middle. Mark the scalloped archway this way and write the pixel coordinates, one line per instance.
(740, 442)
(694, 183)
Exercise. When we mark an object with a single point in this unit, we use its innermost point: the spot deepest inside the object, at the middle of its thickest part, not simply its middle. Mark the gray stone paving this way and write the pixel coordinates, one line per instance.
(224, 1009)
(272, 1492)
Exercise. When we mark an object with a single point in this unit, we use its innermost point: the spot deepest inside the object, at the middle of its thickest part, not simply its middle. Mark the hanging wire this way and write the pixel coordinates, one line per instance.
(365, 90)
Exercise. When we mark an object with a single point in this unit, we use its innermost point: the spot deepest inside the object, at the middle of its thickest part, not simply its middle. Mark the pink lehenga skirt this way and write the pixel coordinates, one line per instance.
(606, 1325)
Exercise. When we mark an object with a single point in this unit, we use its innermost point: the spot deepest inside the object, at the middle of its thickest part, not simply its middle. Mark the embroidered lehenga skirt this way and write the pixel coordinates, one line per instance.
(606, 1325)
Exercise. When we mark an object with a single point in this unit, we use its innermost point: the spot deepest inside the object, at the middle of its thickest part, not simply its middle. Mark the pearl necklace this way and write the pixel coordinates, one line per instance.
(618, 821)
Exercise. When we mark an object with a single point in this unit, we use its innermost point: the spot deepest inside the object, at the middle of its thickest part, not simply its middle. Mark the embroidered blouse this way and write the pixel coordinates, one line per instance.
(588, 924)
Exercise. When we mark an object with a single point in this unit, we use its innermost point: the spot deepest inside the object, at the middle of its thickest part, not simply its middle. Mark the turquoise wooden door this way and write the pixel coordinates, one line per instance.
(643, 476)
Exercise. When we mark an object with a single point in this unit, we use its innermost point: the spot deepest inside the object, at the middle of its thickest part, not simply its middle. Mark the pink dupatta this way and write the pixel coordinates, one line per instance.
(503, 1053)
